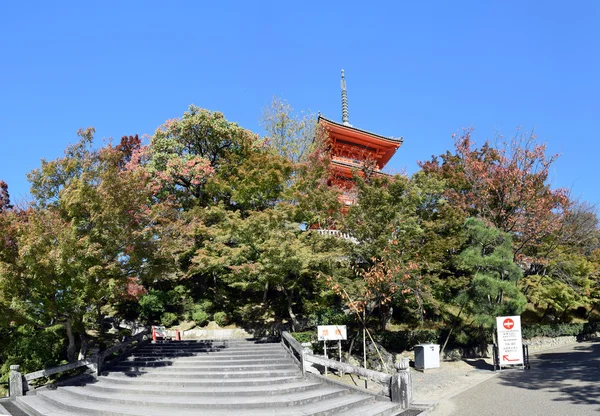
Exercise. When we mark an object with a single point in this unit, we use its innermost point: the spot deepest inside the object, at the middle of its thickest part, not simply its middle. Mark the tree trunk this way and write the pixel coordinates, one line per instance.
(452, 329)
(71, 339)
(99, 320)
(593, 308)
(290, 300)
(545, 313)
(84, 344)
(384, 316)
(266, 291)
(352, 345)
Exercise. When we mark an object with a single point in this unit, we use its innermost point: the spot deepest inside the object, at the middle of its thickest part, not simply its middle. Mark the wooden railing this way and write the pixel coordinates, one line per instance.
(19, 383)
(398, 386)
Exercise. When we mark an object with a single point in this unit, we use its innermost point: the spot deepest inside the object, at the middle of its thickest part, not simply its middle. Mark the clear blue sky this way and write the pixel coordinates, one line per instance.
(421, 70)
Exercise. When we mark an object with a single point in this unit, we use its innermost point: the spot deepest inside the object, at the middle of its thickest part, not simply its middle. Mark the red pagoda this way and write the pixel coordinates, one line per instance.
(353, 149)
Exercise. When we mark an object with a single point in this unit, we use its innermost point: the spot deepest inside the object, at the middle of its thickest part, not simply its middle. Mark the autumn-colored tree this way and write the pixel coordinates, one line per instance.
(92, 228)
(185, 152)
(507, 186)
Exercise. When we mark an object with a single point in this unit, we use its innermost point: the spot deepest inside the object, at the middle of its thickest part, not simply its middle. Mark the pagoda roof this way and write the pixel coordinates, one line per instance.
(384, 147)
(352, 128)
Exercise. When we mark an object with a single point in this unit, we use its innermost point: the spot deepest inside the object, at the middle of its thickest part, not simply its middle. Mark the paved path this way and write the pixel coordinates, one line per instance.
(563, 381)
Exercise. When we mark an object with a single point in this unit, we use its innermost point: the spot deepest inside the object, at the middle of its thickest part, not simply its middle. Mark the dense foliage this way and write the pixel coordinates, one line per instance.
(209, 222)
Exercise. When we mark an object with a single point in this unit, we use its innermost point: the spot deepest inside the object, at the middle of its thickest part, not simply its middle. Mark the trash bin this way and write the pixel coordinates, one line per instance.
(427, 356)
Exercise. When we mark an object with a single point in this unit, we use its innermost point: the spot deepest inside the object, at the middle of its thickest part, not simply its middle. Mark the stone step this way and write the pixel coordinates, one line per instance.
(376, 409)
(35, 405)
(119, 378)
(183, 389)
(212, 358)
(228, 351)
(241, 378)
(59, 405)
(167, 344)
(216, 360)
(180, 372)
(207, 365)
(79, 394)
(201, 344)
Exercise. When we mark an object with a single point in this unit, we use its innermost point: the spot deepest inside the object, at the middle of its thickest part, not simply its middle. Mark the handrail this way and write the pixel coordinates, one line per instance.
(398, 387)
(295, 349)
(95, 363)
(349, 369)
(59, 369)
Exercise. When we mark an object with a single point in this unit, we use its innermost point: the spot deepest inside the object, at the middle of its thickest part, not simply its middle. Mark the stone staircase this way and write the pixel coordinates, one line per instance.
(185, 378)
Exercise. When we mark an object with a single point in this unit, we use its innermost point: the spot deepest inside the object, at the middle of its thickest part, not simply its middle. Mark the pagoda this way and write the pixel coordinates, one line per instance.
(352, 149)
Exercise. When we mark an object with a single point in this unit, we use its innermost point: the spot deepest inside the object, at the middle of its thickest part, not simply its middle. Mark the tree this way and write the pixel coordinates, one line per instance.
(4, 197)
(93, 227)
(289, 134)
(506, 186)
(185, 152)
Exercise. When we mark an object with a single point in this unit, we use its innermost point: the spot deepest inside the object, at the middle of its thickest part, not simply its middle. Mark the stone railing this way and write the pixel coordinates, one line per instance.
(338, 234)
(19, 383)
(398, 386)
(295, 350)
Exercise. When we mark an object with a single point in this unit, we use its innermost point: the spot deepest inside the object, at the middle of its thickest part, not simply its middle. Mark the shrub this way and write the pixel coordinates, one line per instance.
(33, 349)
(307, 336)
(200, 317)
(206, 305)
(168, 319)
(328, 316)
(221, 318)
(151, 307)
(555, 330)
(406, 340)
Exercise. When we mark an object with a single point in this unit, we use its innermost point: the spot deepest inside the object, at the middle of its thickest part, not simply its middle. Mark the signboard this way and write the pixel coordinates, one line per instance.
(331, 332)
(510, 343)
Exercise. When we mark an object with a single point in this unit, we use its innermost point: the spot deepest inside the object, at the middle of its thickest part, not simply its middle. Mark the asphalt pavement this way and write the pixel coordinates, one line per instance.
(564, 381)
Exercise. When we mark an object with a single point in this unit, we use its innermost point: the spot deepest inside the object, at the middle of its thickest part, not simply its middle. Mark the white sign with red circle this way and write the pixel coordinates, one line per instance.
(510, 342)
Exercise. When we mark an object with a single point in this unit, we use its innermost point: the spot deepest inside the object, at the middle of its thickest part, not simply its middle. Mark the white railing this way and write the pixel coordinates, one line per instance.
(338, 234)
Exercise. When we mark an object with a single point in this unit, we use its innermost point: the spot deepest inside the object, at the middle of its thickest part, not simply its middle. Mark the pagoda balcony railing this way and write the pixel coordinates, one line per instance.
(338, 234)
(358, 163)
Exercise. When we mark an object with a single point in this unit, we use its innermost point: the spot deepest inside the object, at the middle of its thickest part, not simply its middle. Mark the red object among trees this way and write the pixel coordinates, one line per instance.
(352, 149)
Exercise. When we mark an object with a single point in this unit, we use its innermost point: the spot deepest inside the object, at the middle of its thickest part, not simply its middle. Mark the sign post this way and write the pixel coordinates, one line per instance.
(510, 342)
(331, 333)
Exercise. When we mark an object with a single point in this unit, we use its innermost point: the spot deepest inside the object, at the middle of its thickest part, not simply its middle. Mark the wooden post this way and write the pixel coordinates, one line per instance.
(15, 382)
(325, 350)
(365, 354)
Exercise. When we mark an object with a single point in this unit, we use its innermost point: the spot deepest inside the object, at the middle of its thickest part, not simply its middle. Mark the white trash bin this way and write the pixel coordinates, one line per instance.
(427, 356)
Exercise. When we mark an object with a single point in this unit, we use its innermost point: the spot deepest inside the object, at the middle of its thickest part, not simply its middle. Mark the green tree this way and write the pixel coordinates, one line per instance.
(93, 228)
(289, 134)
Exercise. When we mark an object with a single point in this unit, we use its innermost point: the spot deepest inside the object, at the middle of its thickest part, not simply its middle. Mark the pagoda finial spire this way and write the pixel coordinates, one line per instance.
(345, 118)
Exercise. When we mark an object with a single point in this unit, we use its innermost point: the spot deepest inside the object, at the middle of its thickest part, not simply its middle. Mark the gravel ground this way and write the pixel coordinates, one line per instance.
(451, 378)
(433, 385)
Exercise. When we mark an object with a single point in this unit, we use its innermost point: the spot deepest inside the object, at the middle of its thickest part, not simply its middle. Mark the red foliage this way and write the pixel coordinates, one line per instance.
(505, 186)
(128, 146)
(134, 290)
